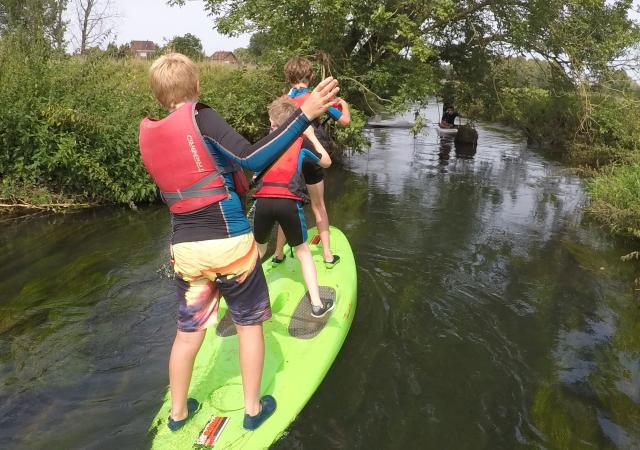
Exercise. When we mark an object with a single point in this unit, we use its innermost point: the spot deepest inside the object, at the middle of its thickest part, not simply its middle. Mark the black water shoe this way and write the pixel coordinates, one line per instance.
(332, 264)
(275, 262)
(267, 408)
(193, 406)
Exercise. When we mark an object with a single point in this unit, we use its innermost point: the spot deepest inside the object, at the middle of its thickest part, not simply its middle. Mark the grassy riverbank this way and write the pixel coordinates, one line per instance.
(615, 193)
(69, 125)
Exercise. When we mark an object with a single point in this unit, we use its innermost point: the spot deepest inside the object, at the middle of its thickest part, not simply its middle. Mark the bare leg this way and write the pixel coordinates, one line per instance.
(183, 354)
(280, 240)
(303, 253)
(316, 193)
(251, 341)
(262, 249)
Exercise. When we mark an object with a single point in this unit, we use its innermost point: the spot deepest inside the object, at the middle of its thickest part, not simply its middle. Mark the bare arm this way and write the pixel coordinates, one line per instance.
(259, 155)
(345, 119)
(325, 159)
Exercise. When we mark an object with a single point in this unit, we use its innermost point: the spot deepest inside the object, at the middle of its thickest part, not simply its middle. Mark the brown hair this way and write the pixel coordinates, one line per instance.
(174, 79)
(298, 70)
(281, 109)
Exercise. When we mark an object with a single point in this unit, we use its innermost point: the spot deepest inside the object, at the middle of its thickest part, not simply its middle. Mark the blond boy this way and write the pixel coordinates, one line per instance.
(194, 156)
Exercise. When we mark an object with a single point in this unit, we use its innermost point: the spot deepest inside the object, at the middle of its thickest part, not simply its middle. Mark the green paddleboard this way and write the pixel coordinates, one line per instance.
(299, 352)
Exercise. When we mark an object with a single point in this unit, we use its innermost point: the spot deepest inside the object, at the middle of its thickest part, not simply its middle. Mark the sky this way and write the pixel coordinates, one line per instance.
(153, 20)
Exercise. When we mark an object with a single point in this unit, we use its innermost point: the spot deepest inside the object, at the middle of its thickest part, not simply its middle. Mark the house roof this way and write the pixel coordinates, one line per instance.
(142, 46)
(224, 56)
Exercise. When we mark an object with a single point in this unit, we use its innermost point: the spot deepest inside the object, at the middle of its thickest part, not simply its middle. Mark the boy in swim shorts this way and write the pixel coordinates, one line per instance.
(194, 157)
(281, 195)
(299, 73)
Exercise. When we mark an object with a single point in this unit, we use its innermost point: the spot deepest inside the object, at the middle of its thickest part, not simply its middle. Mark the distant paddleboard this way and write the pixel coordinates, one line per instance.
(300, 349)
(391, 123)
(447, 131)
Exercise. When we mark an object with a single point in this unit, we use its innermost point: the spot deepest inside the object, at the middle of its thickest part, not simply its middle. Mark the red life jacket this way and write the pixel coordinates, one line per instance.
(320, 131)
(178, 159)
(283, 179)
(300, 99)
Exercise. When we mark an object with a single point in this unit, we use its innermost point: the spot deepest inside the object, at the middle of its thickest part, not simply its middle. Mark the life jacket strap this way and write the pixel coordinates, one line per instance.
(195, 190)
(269, 183)
(228, 169)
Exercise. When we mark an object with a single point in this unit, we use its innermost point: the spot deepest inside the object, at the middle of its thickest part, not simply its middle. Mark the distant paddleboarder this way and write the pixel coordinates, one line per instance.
(449, 117)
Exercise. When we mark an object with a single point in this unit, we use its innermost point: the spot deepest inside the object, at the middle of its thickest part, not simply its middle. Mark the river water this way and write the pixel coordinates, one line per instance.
(491, 314)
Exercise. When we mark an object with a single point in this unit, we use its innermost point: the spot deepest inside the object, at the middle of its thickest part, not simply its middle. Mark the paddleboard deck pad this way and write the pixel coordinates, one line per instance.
(299, 350)
(303, 325)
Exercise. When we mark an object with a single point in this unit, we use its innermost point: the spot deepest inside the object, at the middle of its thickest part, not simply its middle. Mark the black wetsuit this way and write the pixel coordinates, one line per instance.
(449, 118)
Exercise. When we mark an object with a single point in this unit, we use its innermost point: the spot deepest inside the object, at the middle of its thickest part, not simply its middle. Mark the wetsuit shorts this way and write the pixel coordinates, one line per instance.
(312, 172)
(286, 212)
(229, 267)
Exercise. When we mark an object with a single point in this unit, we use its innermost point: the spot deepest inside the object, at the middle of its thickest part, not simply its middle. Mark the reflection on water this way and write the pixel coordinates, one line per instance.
(490, 315)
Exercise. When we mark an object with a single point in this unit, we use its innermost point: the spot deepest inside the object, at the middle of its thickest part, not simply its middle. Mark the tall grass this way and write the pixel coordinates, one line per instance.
(615, 194)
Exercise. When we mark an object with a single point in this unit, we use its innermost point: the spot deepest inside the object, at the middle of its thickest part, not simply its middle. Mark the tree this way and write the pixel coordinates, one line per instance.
(259, 44)
(59, 26)
(115, 51)
(244, 56)
(94, 22)
(188, 45)
(397, 47)
(39, 18)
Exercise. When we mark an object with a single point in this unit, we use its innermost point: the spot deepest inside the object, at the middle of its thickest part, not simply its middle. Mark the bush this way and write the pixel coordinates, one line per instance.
(69, 125)
(544, 116)
(615, 194)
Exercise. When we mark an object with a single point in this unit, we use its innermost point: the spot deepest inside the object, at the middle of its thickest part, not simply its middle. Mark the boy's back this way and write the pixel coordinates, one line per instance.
(280, 197)
(299, 73)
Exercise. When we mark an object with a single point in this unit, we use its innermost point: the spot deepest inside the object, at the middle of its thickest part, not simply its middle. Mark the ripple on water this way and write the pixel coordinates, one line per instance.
(489, 315)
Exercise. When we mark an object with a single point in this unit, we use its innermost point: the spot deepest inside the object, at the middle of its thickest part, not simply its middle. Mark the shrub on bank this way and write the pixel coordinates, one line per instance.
(69, 125)
(543, 115)
(615, 194)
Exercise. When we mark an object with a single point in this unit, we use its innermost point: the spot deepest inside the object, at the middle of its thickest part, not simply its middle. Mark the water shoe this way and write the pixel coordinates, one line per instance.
(193, 406)
(276, 262)
(321, 311)
(332, 264)
(267, 407)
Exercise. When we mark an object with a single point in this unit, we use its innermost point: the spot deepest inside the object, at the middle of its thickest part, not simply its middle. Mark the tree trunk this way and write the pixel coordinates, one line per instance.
(58, 31)
(86, 10)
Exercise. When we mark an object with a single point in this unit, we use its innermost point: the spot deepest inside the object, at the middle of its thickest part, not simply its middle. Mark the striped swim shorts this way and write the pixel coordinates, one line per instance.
(207, 270)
